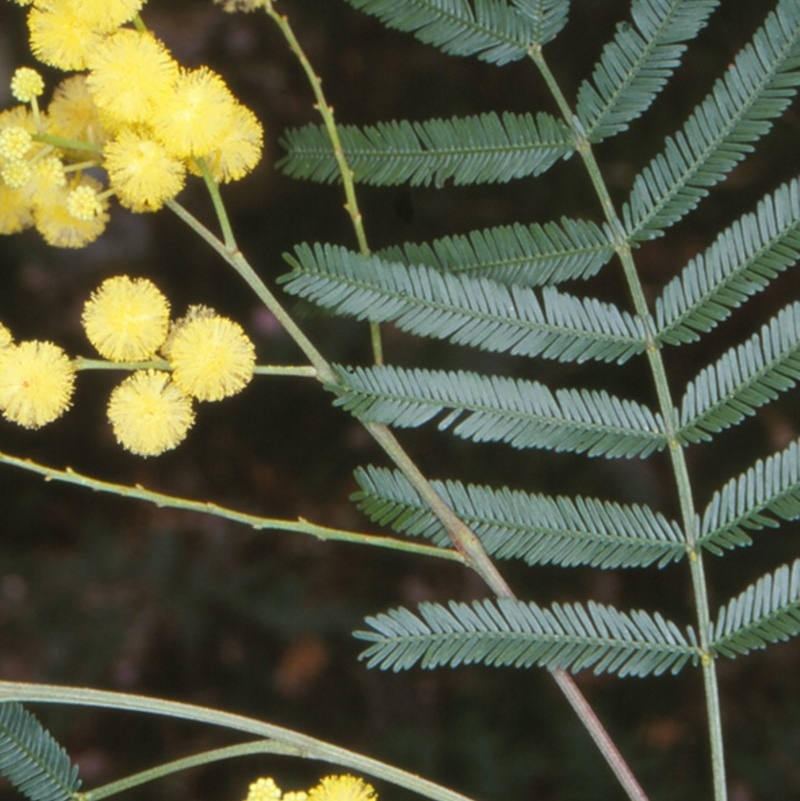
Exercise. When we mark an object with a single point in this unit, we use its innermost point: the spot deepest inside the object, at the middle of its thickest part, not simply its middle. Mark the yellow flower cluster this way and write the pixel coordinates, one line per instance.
(132, 111)
(207, 358)
(330, 788)
(201, 357)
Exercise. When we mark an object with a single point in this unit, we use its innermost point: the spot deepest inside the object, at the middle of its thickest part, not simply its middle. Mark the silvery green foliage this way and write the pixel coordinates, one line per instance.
(497, 289)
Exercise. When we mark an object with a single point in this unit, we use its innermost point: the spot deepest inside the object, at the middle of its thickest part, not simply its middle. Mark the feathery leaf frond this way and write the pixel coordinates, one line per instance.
(740, 109)
(741, 262)
(538, 529)
(766, 612)
(463, 309)
(744, 378)
(768, 490)
(528, 255)
(477, 149)
(31, 759)
(510, 632)
(524, 414)
(637, 63)
(493, 31)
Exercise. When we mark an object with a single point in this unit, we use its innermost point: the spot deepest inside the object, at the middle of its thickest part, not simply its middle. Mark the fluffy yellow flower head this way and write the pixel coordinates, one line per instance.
(211, 356)
(194, 119)
(240, 148)
(36, 383)
(141, 171)
(342, 788)
(149, 414)
(60, 36)
(131, 74)
(106, 16)
(126, 319)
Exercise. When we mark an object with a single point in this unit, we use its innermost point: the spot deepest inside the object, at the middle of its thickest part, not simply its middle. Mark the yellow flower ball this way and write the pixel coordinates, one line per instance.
(149, 414)
(126, 319)
(60, 36)
(131, 74)
(107, 15)
(194, 119)
(211, 357)
(37, 380)
(342, 788)
(141, 171)
(239, 150)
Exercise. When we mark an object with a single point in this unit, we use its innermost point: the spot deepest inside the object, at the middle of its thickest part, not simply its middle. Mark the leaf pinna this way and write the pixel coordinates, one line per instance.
(31, 759)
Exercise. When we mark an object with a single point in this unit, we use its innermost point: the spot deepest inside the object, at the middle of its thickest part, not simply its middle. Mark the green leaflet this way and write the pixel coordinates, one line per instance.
(744, 378)
(765, 493)
(538, 529)
(740, 109)
(465, 310)
(766, 612)
(480, 149)
(742, 261)
(493, 31)
(527, 255)
(636, 65)
(524, 414)
(31, 759)
(509, 632)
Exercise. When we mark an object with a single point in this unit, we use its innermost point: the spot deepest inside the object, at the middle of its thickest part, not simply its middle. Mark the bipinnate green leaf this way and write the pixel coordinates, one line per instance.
(524, 414)
(485, 148)
(31, 759)
(527, 255)
(766, 612)
(637, 63)
(742, 261)
(740, 109)
(489, 29)
(744, 378)
(765, 493)
(463, 309)
(538, 529)
(509, 632)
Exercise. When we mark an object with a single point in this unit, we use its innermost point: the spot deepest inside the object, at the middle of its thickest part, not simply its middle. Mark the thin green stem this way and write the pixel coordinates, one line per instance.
(299, 526)
(307, 747)
(194, 761)
(286, 370)
(676, 451)
(326, 111)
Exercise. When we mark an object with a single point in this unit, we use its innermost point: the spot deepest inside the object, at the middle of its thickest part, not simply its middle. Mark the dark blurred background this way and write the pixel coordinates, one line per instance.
(97, 590)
